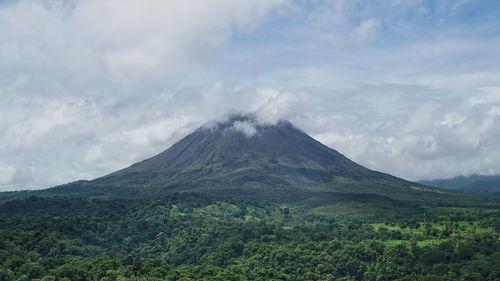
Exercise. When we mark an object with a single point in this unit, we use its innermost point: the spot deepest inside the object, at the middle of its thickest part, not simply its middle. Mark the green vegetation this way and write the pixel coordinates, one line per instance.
(200, 237)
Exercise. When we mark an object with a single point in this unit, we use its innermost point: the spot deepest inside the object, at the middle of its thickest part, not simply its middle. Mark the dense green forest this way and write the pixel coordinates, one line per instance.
(199, 237)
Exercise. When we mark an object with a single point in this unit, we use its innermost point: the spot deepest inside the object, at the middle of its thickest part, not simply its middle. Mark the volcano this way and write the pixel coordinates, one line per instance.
(246, 158)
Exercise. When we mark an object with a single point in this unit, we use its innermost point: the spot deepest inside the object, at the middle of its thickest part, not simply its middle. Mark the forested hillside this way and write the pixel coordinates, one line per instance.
(192, 237)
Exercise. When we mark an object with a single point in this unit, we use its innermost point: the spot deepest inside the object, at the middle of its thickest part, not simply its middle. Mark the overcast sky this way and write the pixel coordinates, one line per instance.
(407, 87)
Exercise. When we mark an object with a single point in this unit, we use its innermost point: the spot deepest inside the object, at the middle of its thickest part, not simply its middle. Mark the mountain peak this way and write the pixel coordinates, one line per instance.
(241, 155)
(239, 117)
(247, 124)
(241, 151)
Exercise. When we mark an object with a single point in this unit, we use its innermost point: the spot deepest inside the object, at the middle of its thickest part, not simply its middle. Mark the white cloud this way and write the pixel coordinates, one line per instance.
(452, 119)
(245, 127)
(7, 173)
(488, 95)
(366, 30)
(124, 40)
(272, 105)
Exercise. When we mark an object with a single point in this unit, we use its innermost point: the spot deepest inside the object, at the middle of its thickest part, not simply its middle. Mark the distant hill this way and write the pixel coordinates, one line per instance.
(473, 183)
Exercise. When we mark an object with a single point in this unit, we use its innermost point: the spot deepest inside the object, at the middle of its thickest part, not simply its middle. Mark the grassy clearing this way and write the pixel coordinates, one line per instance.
(464, 227)
(423, 243)
(440, 224)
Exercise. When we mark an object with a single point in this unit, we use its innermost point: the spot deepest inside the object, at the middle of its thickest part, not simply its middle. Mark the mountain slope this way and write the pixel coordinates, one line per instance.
(246, 159)
(225, 155)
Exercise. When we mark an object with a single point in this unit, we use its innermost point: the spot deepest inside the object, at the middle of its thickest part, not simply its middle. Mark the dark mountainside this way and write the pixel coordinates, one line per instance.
(241, 158)
(473, 183)
(223, 156)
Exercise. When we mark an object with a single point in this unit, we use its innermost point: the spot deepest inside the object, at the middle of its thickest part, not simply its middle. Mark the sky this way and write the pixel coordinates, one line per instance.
(406, 87)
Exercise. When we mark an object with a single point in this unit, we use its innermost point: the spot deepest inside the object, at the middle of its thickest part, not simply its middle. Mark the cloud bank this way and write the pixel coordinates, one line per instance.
(124, 41)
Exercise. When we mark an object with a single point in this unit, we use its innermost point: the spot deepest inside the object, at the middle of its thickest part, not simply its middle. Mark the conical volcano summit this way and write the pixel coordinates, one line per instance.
(242, 157)
(242, 152)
